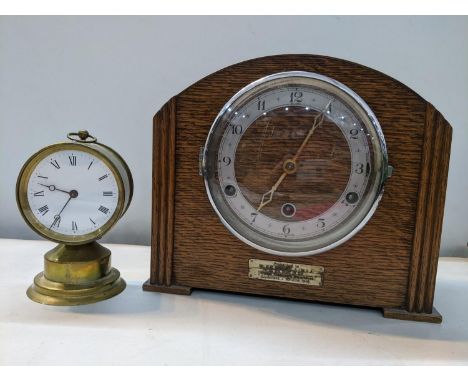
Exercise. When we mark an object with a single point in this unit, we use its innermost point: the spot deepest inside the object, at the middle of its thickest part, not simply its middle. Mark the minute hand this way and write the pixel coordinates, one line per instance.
(267, 197)
(317, 122)
(57, 217)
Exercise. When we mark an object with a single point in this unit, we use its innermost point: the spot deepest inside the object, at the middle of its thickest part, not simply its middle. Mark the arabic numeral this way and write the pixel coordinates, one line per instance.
(236, 129)
(296, 97)
(286, 229)
(321, 223)
(354, 133)
(227, 161)
(253, 215)
(261, 105)
(359, 168)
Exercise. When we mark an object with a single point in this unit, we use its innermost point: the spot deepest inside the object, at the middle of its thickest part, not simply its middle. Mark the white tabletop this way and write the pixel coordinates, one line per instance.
(145, 328)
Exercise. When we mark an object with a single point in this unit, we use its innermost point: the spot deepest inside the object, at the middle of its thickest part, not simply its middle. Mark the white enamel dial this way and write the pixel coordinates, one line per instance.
(72, 192)
(294, 164)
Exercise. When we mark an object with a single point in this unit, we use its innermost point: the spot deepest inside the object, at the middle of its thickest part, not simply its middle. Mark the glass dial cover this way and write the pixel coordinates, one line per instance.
(294, 164)
(70, 193)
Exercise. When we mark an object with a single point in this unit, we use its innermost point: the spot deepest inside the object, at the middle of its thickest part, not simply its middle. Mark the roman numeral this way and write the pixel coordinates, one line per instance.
(74, 226)
(103, 177)
(44, 209)
(104, 210)
(72, 160)
(90, 164)
(107, 193)
(39, 193)
(56, 221)
(55, 164)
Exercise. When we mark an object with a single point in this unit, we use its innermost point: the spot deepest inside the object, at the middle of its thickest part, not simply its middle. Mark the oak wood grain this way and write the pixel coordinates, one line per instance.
(163, 193)
(390, 263)
(433, 183)
(434, 317)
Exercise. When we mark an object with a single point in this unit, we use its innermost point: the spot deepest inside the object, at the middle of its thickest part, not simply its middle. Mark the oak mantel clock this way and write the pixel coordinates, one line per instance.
(303, 177)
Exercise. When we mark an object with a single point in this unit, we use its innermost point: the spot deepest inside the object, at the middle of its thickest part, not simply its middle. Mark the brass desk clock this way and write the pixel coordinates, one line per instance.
(72, 193)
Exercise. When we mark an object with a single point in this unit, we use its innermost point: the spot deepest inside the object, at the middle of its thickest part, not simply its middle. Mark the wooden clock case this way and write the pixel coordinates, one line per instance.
(390, 264)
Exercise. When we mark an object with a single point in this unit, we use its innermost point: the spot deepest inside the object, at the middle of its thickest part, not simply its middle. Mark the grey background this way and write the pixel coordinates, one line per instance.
(111, 74)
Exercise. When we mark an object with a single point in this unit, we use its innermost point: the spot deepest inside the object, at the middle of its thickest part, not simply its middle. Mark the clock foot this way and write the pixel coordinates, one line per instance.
(401, 314)
(173, 289)
(49, 292)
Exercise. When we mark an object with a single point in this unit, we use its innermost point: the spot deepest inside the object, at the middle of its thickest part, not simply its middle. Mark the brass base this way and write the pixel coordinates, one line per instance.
(76, 275)
(49, 292)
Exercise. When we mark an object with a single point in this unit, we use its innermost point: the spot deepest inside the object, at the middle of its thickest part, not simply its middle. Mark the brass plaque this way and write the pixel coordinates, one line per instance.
(285, 272)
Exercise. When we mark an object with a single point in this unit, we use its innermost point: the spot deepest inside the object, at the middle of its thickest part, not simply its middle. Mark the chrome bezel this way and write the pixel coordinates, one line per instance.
(384, 174)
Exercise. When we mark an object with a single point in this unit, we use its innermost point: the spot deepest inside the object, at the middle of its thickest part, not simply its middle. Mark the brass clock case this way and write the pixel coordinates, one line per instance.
(95, 149)
(78, 270)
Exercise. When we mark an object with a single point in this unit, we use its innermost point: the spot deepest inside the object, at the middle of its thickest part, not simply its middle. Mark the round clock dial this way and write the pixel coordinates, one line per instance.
(71, 193)
(295, 163)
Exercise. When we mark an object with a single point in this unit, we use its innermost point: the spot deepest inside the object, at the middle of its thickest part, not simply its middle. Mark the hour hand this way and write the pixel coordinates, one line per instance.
(267, 197)
(264, 202)
(51, 187)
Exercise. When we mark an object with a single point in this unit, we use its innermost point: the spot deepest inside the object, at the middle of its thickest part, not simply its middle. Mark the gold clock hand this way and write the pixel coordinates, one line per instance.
(264, 202)
(290, 165)
(317, 122)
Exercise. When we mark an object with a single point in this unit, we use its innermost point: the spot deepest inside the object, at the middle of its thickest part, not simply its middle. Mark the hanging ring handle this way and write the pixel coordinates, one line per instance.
(82, 136)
